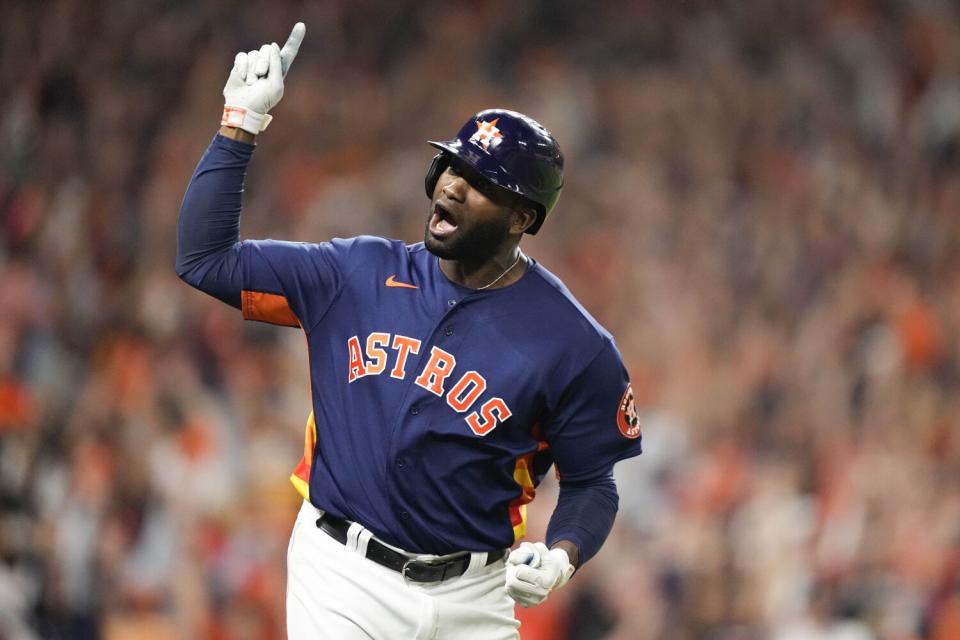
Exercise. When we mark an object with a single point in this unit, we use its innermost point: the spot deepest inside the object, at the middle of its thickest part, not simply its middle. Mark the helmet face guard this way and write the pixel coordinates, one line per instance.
(512, 151)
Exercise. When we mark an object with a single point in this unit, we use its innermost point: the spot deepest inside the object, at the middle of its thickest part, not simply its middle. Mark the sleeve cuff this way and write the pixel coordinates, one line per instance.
(223, 141)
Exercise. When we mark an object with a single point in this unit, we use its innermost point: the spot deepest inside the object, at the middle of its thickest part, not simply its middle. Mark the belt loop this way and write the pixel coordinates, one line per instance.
(363, 540)
(353, 535)
(478, 560)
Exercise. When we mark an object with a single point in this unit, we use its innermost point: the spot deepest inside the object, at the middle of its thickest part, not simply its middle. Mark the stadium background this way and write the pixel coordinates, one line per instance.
(762, 204)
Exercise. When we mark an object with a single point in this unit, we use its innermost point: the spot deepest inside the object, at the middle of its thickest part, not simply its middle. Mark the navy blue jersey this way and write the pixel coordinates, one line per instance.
(437, 409)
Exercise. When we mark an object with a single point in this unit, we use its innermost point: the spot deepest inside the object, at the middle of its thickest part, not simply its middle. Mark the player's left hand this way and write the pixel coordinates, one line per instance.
(533, 571)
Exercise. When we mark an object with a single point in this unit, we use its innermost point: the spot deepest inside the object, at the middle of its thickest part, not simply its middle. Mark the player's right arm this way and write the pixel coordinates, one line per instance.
(269, 280)
(208, 229)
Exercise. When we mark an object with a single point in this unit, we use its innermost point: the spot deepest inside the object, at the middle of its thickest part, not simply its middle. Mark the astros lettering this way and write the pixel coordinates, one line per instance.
(369, 358)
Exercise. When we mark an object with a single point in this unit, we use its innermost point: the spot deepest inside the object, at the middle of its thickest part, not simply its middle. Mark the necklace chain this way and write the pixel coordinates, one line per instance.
(509, 269)
(499, 277)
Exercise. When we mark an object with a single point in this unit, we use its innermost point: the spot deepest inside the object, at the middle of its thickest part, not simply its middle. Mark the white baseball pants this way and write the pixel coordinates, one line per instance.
(334, 592)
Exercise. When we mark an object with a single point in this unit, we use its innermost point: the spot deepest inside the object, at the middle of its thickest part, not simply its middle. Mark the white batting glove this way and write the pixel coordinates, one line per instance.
(533, 571)
(255, 84)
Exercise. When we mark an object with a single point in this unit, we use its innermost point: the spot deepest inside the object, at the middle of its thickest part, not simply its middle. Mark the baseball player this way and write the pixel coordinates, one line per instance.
(447, 377)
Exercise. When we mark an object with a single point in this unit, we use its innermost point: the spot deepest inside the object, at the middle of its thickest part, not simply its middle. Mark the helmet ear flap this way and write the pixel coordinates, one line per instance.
(440, 163)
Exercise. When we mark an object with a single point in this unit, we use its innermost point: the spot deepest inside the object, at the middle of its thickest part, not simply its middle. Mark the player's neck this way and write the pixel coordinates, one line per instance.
(501, 270)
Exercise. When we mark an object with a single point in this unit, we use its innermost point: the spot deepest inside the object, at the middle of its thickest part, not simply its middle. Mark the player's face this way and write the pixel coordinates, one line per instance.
(470, 218)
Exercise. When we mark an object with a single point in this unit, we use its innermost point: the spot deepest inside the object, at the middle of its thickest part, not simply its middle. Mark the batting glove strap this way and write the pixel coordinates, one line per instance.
(560, 558)
(244, 118)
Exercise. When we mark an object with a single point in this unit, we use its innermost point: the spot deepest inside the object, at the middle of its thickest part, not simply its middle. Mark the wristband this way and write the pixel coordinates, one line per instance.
(243, 118)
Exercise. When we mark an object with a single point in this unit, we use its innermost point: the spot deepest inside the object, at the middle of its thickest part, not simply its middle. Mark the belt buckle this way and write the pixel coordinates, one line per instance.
(430, 563)
(403, 570)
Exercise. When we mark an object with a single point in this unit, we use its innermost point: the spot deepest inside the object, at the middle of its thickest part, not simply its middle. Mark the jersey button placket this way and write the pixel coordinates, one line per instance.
(448, 330)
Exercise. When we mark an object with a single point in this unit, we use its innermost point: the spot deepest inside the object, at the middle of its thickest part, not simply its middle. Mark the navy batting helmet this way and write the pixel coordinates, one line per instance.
(512, 151)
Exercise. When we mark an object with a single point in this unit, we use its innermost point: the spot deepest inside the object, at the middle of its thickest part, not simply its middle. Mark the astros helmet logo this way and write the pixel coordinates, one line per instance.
(487, 135)
(627, 418)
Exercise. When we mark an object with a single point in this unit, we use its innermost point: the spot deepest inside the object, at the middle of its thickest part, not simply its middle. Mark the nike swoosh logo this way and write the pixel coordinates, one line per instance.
(392, 282)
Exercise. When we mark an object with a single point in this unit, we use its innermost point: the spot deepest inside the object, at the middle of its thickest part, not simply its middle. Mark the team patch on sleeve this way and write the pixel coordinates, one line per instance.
(627, 418)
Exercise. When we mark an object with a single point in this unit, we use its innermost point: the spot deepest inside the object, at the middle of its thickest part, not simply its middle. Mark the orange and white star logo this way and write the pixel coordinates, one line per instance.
(487, 135)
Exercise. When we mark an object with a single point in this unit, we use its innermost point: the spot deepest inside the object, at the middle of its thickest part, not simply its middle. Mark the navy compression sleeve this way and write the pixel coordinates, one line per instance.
(584, 515)
(208, 231)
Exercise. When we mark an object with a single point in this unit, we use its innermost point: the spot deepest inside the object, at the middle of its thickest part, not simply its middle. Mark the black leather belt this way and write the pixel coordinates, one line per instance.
(411, 569)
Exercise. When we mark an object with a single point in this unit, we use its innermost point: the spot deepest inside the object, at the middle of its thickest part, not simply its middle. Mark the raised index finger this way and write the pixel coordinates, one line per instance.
(291, 46)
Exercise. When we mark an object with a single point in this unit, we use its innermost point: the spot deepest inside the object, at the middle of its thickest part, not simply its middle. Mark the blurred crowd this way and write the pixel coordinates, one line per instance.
(762, 205)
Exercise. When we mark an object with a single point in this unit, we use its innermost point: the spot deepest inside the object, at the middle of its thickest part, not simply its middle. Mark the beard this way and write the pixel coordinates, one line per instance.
(476, 243)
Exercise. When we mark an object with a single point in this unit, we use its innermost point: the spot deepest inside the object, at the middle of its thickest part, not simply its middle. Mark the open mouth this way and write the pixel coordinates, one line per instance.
(442, 223)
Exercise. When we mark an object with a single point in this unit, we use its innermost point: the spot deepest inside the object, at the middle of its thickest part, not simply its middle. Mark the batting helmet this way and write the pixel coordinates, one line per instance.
(512, 151)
